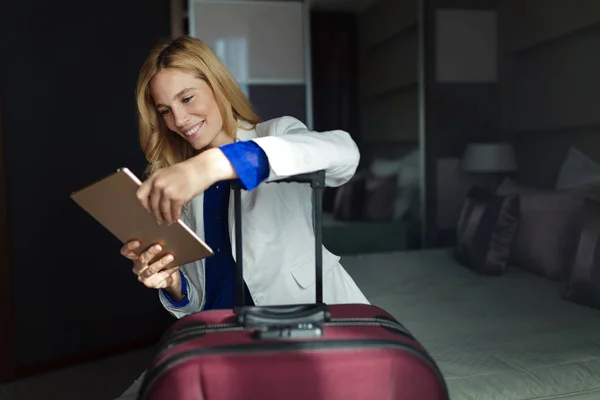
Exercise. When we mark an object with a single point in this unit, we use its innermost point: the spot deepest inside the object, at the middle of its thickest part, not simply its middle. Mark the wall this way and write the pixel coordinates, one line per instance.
(264, 47)
(67, 84)
(388, 57)
(334, 77)
(550, 82)
(532, 81)
(462, 101)
(334, 69)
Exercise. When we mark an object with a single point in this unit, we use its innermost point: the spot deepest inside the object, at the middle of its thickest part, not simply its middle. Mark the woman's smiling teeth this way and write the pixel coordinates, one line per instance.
(194, 129)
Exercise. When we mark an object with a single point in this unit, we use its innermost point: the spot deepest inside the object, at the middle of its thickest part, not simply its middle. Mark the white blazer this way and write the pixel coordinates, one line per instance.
(277, 228)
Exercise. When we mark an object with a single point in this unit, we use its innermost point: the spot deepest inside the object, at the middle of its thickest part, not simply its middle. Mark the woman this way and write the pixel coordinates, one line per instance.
(199, 133)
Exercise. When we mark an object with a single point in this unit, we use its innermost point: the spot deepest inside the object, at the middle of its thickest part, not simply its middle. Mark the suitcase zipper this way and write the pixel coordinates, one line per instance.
(281, 347)
(383, 322)
(193, 331)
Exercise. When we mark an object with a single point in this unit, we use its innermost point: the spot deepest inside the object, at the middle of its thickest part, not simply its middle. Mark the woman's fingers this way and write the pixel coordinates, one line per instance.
(155, 202)
(176, 207)
(144, 259)
(158, 280)
(154, 275)
(128, 250)
(149, 254)
(143, 193)
(150, 195)
(165, 210)
(165, 192)
(157, 266)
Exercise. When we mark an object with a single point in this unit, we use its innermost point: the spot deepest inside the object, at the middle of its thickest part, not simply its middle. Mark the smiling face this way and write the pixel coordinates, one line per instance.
(187, 105)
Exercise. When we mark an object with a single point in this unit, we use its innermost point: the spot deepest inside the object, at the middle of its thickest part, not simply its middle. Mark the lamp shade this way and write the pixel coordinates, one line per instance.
(489, 157)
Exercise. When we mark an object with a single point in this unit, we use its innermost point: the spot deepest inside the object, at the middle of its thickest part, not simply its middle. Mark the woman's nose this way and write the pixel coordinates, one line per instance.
(181, 118)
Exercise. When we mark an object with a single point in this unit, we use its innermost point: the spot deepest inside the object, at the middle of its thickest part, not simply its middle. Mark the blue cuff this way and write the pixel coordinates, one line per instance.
(184, 302)
(249, 161)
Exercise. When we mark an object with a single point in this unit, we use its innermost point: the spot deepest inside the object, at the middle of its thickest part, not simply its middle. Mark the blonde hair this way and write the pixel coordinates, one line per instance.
(161, 147)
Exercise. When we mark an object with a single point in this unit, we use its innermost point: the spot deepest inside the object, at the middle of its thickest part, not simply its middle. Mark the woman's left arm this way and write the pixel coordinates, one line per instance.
(285, 147)
(292, 149)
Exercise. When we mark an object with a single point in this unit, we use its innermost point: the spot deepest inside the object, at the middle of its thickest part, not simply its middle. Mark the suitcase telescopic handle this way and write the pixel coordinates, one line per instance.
(293, 314)
(315, 179)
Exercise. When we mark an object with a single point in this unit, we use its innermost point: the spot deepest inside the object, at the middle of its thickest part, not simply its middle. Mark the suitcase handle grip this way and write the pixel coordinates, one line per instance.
(269, 316)
(316, 179)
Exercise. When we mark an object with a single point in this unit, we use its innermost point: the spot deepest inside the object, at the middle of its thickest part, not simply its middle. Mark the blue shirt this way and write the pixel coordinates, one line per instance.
(252, 167)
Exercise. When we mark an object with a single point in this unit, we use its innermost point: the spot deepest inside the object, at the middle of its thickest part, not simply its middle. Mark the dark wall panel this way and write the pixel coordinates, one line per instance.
(273, 101)
(67, 82)
(467, 4)
(463, 113)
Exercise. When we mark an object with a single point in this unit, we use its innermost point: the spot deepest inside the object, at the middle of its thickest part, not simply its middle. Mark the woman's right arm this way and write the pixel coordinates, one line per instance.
(192, 296)
(178, 287)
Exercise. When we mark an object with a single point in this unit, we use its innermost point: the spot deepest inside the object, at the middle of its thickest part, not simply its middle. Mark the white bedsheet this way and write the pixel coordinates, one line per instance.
(510, 337)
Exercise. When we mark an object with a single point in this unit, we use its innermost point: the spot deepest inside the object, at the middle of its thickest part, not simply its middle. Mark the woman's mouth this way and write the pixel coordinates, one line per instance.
(193, 133)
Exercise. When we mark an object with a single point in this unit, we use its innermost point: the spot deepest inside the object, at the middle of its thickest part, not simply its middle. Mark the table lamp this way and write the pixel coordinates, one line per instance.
(495, 159)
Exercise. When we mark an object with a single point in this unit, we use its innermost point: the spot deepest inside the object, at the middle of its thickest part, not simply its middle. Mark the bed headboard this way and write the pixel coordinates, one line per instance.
(541, 156)
(550, 82)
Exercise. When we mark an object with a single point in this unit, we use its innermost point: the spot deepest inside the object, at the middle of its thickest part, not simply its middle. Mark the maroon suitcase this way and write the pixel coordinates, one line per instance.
(310, 351)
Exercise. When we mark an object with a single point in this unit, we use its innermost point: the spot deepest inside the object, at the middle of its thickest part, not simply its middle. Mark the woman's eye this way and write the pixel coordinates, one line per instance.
(188, 99)
(164, 112)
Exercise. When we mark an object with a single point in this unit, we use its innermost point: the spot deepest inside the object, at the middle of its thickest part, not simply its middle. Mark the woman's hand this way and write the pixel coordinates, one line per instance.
(154, 275)
(166, 191)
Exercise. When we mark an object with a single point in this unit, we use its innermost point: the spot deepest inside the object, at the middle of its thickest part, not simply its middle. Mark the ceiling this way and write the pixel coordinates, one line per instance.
(341, 5)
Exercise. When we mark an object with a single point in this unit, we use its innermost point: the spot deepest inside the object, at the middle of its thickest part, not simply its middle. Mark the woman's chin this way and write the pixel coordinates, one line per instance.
(201, 140)
(198, 143)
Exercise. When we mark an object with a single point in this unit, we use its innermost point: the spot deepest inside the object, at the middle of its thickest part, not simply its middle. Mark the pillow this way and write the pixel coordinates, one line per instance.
(547, 235)
(406, 170)
(380, 197)
(577, 169)
(486, 229)
(583, 286)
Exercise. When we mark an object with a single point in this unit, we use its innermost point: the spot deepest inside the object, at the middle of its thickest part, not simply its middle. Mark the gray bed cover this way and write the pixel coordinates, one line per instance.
(495, 338)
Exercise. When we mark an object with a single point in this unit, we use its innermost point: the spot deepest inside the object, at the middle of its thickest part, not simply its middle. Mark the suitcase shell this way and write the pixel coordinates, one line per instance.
(364, 354)
(308, 351)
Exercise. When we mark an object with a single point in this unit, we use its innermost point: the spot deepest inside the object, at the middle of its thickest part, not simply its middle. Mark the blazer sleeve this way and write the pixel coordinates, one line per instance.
(184, 289)
(292, 149)
(249, 162)
(195, 295)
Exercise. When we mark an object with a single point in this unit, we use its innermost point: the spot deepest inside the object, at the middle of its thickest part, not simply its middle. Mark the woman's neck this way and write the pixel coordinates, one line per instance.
(221, 139)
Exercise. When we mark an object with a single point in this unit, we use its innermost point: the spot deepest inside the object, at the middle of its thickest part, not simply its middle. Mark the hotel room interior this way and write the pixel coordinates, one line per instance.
(473, 218)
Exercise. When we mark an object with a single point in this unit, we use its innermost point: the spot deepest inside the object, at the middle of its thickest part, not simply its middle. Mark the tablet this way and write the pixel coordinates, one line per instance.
(112, 201)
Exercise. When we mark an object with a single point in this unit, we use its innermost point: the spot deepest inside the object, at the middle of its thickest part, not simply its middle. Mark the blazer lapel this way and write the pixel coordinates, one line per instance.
(231, 217)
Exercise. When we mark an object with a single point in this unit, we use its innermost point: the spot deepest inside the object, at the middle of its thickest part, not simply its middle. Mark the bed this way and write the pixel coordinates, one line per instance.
(509, 337)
